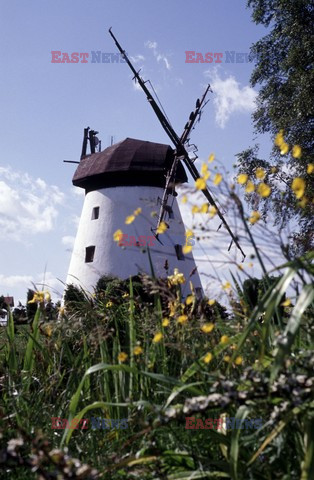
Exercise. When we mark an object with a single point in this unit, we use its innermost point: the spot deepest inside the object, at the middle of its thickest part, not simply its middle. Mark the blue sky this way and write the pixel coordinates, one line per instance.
(46, 105)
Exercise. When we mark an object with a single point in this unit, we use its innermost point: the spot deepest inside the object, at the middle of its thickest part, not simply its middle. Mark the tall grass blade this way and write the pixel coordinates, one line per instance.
(29, 352)
(234, 448)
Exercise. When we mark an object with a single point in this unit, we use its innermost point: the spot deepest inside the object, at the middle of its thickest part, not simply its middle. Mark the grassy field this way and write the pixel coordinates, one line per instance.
(134, 350)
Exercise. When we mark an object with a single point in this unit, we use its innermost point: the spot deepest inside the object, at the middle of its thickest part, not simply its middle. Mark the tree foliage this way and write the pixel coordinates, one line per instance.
(284, 73)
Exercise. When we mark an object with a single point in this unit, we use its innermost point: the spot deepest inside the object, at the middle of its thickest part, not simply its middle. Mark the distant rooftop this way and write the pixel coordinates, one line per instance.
(129, 162)
(9, 301)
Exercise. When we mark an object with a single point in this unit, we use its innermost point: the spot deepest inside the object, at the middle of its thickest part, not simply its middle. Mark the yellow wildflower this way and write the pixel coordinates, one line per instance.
(286, 303)
(109, 304)
(217, 178)
(137, 211)
(122, 357)
(137, 350)
(260, 173)
(226, 286)
(284, 148)
(125, 295)
(279, 140)
(296, 151)
(204, 208)
(264, 190)
(207, 327)
(250, 187)
(255, 216)
(48, 331)
(204, 168)
(165, 322)
(47, 296)
(176, 278)
(211, 302)
(184, 199)
(298, 186)
(187, 249)
(182, 319)
(206, 175)
(242, 178)
(172, 308)
(162, 227)
(240, 267)
(200, 184)
(224, 339)
(117, 235)
(211, 158)
(310, 168)
(208, 357)
(195, 209)
(227, 358)
(274, 169)
(189, 299)
(40, 297)
(157, 337)
(212, 211)
(129, 219)
(238, 360)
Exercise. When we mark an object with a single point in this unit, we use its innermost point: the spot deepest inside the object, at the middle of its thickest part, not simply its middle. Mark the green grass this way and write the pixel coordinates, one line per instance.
(75, 373)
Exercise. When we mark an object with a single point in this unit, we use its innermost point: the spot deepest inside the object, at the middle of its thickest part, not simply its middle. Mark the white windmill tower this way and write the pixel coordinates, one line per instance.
(135, 176)
(126, 177)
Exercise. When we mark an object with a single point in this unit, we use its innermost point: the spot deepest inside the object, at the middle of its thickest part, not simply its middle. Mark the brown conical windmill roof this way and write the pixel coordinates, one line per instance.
(129, 162)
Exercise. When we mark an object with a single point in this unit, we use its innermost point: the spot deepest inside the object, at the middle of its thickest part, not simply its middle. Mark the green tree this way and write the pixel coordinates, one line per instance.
(284, 72)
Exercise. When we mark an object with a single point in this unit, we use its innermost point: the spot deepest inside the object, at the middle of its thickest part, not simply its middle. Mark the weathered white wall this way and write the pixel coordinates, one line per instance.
(115, 204)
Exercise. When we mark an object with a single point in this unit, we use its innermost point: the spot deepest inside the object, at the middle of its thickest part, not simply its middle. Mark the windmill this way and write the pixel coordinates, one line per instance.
(181, 145)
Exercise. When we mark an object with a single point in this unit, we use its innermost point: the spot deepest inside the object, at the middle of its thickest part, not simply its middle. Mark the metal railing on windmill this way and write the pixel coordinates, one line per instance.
(91, 138)
(181, 153)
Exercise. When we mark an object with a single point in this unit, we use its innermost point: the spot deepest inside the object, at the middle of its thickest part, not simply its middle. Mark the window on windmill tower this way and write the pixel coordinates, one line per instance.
(89, 254)
(95, 213)
(179, 253)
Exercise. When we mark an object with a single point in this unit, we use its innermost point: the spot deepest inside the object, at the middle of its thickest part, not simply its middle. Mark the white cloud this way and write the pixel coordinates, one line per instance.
(28, 206)
(160, 57)
(137, 58)
(12, 281)
(230, 97)
(150, 44)
(80, 192)
(68, 241)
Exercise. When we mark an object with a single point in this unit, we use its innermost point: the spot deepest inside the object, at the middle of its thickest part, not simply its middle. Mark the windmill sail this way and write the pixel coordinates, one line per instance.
(179, 143)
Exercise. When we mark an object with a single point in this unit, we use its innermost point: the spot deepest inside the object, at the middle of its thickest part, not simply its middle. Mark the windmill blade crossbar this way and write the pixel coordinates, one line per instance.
(179, 144)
